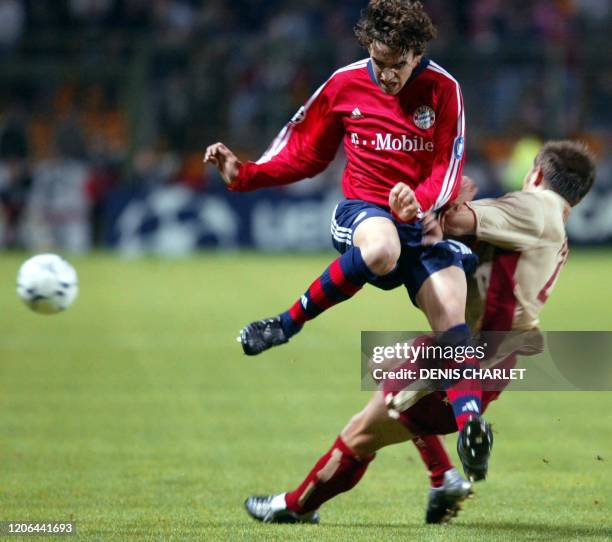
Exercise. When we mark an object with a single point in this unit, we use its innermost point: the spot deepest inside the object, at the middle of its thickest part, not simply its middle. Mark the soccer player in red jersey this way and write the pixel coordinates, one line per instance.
(400, 118)
(524, 235)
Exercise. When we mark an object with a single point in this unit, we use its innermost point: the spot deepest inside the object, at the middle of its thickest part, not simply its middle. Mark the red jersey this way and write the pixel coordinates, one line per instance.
(416, 137)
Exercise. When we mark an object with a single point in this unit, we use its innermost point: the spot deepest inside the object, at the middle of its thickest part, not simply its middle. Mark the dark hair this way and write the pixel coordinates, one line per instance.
(402, 25)
(568, 167)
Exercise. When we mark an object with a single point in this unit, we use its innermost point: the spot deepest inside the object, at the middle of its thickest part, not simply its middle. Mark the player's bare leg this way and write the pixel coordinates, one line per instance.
(372, 429)
(341, 468)
(337, 471)
(373, 252)
(442, 299)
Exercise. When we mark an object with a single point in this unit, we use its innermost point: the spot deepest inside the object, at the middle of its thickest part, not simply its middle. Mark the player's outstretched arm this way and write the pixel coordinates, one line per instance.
(458, 220)
(512, 222)
(404, 204)
(302, 149)
(225, 161)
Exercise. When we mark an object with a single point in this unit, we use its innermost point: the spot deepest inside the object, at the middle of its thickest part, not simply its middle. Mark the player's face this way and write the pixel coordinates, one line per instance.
(392, 68)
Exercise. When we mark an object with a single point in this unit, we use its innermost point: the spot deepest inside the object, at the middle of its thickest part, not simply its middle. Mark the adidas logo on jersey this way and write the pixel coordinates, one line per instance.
(356, 114)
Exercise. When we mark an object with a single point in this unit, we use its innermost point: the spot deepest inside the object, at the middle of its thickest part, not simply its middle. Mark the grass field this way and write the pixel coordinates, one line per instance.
(136, 415)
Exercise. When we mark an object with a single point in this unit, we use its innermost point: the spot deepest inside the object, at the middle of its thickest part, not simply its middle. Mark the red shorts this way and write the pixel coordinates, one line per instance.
(433, 414)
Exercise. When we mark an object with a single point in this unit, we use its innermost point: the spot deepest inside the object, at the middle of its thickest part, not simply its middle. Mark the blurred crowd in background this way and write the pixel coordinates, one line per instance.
(100, 95)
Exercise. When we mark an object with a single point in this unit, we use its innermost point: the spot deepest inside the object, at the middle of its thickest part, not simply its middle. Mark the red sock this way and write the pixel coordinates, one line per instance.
(434, 455)
(465, 397)
(337, 471)
(339, 282)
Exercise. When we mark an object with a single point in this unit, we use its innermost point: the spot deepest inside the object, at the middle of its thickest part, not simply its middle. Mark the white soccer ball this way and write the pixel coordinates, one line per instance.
(47, 283)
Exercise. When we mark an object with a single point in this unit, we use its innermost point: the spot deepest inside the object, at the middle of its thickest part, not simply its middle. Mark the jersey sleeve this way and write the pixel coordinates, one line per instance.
(303, 148)
(514, 221)
(442, 186)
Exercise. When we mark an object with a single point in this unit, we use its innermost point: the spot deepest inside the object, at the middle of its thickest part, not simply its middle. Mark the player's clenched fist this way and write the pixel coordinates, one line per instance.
(225, 160)
(403, 202)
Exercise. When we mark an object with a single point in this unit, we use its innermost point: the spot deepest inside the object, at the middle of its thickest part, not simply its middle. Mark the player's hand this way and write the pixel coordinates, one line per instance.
(432, 231)
(225, 161)
(467, 192)
(403, 202)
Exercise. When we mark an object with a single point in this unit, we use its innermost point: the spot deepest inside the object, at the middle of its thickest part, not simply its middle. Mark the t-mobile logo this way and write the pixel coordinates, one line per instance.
(386, 142)
(389, 142)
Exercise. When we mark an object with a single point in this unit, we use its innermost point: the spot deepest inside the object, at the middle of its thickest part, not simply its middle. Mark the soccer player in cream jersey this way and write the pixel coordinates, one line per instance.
(525, 232)
(400, 118)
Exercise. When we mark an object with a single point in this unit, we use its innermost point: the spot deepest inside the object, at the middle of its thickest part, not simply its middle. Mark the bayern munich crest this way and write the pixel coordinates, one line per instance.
(424, 117)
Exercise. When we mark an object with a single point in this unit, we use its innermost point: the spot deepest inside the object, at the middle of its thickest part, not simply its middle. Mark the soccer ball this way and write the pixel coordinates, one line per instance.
(47, 283)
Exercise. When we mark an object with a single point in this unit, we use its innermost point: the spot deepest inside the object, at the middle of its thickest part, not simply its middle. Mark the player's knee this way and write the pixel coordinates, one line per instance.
(381, 255)
(363, 446)
(362, 434)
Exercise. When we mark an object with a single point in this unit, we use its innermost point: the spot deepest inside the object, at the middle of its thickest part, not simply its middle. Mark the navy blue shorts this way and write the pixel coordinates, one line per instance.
(417, 262)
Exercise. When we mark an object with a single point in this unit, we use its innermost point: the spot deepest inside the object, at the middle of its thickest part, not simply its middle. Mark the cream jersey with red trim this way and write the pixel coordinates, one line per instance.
(416, 137)
(515, 278)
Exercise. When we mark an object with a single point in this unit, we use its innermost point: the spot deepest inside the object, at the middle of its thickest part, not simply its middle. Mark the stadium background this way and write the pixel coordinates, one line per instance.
(107, 106)
(134, 413)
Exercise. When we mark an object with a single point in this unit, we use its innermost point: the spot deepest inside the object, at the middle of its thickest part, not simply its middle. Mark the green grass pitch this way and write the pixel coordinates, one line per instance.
(136, 415)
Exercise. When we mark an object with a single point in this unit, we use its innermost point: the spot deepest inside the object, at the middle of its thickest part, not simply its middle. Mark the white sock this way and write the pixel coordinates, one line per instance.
(278, 502)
